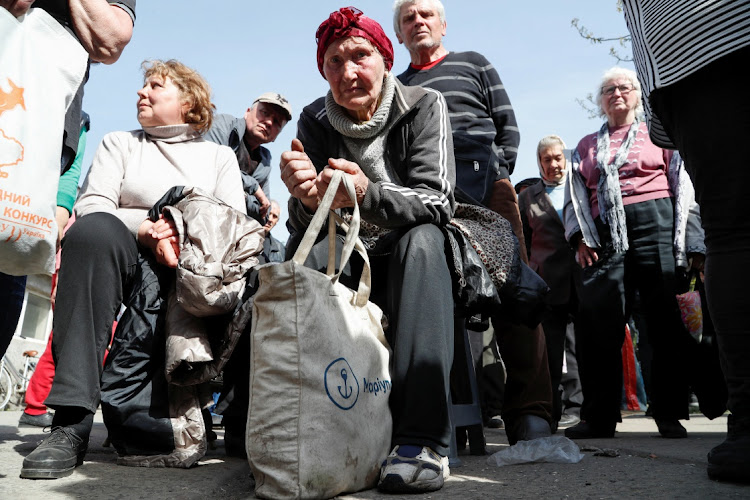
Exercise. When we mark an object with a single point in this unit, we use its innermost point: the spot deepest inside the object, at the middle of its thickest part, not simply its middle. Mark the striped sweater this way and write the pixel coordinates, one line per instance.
(673, 39)
(478, 104)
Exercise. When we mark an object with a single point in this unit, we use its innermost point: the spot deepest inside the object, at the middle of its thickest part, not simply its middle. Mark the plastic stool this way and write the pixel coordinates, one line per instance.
(467, 416)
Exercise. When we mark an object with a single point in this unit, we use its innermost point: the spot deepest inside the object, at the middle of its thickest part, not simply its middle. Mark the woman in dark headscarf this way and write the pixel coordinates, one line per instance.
(396, 143)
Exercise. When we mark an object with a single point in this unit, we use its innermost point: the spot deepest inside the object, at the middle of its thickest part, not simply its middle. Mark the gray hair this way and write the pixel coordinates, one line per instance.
(619, 72)
(400, 3)
(548, 141)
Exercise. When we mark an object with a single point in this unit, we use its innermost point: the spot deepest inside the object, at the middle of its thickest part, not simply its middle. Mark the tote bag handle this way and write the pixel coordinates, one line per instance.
(351, 241)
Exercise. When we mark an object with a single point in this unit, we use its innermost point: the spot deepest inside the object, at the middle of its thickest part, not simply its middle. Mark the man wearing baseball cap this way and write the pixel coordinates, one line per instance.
(261, 124)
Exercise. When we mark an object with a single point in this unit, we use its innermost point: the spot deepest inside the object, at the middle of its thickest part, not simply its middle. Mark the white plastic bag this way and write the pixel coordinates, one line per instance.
(41, 68)
(553, 449)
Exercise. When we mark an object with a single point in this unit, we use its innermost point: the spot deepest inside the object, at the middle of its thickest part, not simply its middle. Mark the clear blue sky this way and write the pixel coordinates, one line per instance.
(244, 48)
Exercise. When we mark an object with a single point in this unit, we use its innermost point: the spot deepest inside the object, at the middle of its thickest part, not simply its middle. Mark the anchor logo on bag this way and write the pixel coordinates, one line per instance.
(341, 384)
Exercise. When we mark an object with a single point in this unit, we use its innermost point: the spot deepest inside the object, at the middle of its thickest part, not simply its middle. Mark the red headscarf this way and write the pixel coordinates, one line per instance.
(347, 22)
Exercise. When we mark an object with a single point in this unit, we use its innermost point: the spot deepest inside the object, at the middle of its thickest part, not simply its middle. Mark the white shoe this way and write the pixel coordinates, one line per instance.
(425, 472)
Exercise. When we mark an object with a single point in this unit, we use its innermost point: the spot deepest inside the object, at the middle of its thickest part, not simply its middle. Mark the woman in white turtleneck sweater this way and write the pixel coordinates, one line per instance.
(130, 172)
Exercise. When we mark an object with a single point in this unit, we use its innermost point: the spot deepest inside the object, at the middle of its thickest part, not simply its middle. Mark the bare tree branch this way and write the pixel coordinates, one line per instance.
(591, 37)
(620, 54)
(589, 106)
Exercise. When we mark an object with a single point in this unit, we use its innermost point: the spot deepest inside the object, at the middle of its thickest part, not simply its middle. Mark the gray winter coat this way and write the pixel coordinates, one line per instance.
(218, 245)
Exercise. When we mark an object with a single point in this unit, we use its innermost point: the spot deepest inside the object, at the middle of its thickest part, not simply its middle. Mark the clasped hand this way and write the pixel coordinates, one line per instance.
(306, 184)
(585, 255)
(161, 237)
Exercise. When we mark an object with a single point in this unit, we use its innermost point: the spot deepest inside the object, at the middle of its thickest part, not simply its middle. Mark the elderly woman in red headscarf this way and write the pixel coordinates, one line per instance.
(396, 143)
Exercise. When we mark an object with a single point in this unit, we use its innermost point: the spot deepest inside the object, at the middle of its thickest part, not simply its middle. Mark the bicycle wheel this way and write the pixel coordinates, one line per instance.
(6, 387)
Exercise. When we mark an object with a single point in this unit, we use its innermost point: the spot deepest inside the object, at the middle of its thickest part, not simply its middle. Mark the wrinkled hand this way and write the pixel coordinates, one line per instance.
(585, 255)
(16, 7)
(697, 261)
(161, 237)
(167, 253)
(299, 175)
(342, 197)
(265, 204)
(62, 216)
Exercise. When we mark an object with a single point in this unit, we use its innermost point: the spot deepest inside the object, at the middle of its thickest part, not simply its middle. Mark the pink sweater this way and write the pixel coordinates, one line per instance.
(643, 177)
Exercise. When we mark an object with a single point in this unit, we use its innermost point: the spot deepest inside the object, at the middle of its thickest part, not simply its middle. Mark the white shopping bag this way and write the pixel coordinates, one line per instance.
(319, 423)
(41, 68)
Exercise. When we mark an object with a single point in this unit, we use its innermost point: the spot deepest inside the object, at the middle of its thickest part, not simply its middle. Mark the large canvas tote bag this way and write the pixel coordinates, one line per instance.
(319, 423)
(41, 68)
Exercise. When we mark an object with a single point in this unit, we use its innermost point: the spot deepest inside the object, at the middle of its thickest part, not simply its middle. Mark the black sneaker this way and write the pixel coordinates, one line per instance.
(43, 420)
(56, 456)
(587, 430)
(671, 429)
(526, 428)
(730, 461)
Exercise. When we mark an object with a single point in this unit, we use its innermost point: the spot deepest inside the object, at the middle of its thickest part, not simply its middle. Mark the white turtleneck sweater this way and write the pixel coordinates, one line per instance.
(132, 170)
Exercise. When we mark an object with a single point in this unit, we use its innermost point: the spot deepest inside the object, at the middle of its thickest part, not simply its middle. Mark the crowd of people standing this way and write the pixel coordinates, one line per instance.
(611, 223)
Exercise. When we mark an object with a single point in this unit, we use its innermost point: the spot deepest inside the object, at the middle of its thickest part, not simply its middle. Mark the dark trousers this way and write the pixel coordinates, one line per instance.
(572, 396)
(523, 349)
(715, 122)
(12, 289)
(99, 257)
(528, 390)
(413, 287)
(605, 305)
(555, 325)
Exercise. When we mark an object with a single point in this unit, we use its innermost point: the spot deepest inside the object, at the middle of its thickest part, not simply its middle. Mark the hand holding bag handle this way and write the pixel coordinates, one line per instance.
(309, 328)
(351, 241)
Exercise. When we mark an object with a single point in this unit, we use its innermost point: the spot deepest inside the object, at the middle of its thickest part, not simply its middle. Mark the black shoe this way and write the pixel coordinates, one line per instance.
(587, 430)
(526, 428)
(56, 456)
(730, 461)
(43, 420)
(671, 429)
(568, 420)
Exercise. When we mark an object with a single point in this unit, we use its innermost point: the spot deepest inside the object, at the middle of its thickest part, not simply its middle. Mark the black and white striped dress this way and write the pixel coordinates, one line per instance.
(673, 39)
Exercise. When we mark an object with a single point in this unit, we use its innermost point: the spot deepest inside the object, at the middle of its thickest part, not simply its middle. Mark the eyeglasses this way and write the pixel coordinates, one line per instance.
(610, 89)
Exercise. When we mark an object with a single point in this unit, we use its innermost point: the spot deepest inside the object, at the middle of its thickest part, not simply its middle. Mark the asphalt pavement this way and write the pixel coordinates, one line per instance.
(637, 463)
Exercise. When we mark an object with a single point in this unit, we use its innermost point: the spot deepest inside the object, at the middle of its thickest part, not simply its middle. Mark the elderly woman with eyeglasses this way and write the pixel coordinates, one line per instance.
(396, 143)
(631, 217)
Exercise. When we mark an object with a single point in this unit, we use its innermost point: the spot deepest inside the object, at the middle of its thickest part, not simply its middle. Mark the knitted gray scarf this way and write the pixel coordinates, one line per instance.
(608, 192)
(365, 142)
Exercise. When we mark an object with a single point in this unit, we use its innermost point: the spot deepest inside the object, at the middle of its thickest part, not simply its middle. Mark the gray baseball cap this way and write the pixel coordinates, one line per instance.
(277, 99)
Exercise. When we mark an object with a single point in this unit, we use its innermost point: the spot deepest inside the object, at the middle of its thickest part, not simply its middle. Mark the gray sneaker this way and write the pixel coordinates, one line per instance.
(43, 420)
(420, 474)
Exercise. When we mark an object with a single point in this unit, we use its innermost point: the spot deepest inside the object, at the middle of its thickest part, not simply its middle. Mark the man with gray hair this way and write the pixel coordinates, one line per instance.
(261, 124)
(273, 249)
(485, 139)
